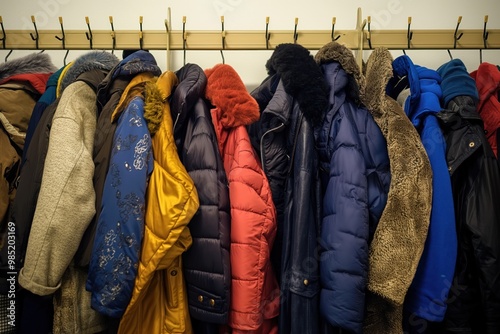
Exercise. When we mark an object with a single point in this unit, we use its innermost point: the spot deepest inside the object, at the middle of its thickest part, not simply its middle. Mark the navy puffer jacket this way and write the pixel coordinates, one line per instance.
(354, 164)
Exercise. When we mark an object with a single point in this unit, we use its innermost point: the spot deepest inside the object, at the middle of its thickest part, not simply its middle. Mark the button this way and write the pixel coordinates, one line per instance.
(200, 298)
(449, 169)
(173, 272)
(306, 282)
(471, 144)
(212, 302)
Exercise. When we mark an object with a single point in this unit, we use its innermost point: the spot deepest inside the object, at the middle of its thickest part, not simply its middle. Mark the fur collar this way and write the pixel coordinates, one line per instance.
(335, 52)
(32, 63)
(378, 72)
(156, 95)
(302, 79)
(226, 91)
(92, 60)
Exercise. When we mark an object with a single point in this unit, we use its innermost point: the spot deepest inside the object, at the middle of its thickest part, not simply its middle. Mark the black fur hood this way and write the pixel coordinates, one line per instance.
(301, 77)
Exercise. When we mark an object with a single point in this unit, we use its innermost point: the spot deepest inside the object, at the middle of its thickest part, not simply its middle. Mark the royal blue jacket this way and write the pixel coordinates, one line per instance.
(115, 255)
(428, 292)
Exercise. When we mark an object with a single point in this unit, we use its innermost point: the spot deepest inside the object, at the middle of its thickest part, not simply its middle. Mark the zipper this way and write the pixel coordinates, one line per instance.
(262, 144)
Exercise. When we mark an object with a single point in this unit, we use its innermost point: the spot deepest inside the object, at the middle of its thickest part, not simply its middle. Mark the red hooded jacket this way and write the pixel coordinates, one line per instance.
(487, 78)
(254, 288)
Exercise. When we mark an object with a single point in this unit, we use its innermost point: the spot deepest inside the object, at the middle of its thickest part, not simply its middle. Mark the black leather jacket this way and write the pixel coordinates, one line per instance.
(474, 298)
(291, 99)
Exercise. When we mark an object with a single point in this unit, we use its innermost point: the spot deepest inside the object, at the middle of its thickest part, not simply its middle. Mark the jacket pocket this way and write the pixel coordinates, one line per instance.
(174, 285)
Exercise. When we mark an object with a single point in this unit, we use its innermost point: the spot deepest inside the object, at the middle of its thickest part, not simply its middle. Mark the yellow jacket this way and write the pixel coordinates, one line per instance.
(159, 300)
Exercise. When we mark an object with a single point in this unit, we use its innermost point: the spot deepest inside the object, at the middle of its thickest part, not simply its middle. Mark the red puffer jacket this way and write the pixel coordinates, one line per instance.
(254, 288)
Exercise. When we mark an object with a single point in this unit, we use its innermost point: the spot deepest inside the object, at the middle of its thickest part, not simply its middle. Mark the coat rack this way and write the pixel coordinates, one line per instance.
(358, 39)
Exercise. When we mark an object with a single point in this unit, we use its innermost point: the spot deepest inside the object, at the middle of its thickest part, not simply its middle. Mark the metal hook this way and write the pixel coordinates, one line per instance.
(113, 35)
(485, 39)
(409, 34)
(449, 53)
(223, 39)
(34, 37)
(89, 33)
(295, 34)
(369, 35)
(8, 55)
(268, 35)
(334, 20)
(140, 33)
(63, 39)
(456, 31)
(4, 36)
(184, 39)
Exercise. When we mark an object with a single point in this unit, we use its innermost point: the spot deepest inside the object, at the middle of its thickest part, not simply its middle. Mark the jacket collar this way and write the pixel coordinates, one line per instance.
(191, 87)
(32, 63)
(156, 106)
(301, 78)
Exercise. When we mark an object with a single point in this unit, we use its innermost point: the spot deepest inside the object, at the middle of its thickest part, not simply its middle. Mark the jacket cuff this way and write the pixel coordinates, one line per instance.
(34, 287)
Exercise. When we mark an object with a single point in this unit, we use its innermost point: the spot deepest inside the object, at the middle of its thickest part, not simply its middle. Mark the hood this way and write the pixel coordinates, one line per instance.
(191, 87)
(456, 81)
(156, 95)
(378, 72)
(301, 78)
(38, 81)
(424, 86)
(487, 78)
(94, 60)
(335, 52)
(226, 92)
(32, 63)
(128, 68)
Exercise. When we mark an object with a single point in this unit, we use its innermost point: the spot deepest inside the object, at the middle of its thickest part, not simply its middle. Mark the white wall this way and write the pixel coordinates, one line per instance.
(250, 15)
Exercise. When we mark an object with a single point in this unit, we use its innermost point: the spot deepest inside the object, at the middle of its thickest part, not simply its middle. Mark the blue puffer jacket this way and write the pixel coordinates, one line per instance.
(115, 255)
(429, 290)
(356, 178)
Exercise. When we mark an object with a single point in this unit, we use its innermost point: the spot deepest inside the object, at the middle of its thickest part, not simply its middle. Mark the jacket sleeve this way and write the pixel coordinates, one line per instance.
(66, 200)
(115, 254)
(483, 222)
(344, 236)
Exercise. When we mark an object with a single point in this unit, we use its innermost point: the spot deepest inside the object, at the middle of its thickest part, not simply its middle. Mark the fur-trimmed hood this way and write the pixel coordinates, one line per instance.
(378, 71)
(301, 78)
(156, 95)
(335, 52)
(94, 60)
(32, 63)
(226, 92)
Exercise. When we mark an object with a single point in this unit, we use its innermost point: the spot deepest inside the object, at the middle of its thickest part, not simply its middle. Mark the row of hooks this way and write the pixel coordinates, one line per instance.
(35, 35)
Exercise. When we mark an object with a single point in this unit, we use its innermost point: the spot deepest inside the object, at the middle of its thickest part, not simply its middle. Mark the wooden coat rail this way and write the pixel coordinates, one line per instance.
(356, 39)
